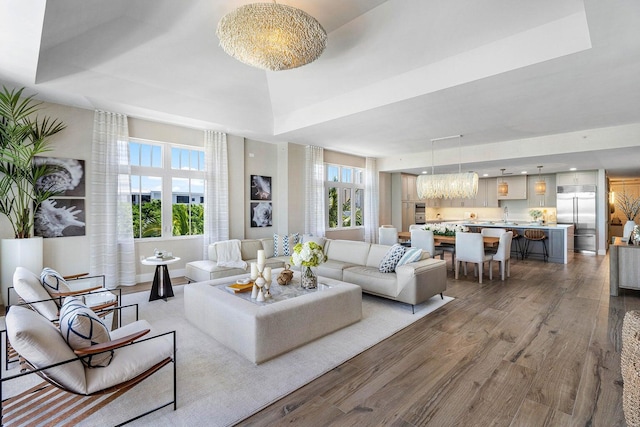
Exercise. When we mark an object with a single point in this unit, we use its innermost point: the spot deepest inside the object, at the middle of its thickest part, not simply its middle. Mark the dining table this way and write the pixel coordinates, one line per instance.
(489, 241)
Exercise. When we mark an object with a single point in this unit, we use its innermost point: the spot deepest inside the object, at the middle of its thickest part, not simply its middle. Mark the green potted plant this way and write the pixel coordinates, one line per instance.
(23, 136)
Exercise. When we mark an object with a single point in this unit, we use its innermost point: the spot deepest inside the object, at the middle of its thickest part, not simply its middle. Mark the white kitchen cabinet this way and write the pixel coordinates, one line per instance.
(577, 178)
(517, 187)
(549, 198)
(487, 193)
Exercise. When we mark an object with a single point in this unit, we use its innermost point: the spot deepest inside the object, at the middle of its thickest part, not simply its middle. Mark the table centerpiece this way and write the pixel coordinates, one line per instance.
(307, 255)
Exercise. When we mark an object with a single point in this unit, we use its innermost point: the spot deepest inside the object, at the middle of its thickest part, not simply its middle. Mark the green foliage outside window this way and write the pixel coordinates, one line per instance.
(185, 224)
(147, 219)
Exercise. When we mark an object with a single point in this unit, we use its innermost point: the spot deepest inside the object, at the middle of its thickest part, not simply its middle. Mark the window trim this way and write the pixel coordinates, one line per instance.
(166, 173)
(343, 185)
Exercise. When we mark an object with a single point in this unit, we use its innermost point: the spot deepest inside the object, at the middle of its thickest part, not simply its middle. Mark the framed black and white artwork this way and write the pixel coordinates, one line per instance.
(261, 214)
(68, 177)
(260, 187)
(60, 218)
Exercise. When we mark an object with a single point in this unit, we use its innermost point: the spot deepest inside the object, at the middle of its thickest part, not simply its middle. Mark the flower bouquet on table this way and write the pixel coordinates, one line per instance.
(445, 229)
(307, 255)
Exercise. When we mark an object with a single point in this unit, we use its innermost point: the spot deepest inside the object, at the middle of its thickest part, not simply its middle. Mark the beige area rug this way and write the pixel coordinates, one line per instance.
(217, 387)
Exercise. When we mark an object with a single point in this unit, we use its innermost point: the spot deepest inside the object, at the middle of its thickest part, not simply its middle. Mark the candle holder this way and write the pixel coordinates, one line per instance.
(261, 282)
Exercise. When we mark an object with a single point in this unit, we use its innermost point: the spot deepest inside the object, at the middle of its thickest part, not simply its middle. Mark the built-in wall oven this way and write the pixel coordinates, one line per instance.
(420, 213)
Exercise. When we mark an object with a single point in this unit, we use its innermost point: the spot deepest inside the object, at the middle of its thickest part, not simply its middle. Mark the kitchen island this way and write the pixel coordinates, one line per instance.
(559, 238)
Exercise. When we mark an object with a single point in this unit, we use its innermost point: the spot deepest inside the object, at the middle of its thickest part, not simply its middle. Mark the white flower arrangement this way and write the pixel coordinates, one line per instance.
(445, 229)
(308, 254)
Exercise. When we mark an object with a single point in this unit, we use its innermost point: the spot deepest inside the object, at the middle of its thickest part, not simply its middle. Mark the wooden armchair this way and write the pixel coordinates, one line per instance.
(73, 391)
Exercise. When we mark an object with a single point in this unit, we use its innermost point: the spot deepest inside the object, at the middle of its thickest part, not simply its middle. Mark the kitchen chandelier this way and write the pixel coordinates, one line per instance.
(541, 185)
(503, 187)
(271, 36)
(447, 186)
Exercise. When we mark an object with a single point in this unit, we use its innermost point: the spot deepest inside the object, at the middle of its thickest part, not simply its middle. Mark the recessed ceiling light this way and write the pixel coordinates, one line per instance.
(485, 174)
(572, 169)
(424, 172)
(523, 172)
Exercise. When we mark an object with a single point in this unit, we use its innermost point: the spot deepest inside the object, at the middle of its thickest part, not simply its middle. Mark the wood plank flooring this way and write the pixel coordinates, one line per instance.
(541, 348)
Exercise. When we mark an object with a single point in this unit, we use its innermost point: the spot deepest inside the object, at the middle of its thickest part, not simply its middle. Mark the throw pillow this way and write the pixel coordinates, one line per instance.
(391, 258)
(81, 328)
(53, 281)
(410, 255)
(283, 244)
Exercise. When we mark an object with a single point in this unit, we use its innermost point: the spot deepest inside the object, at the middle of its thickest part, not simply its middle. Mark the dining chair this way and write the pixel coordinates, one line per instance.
(470, 248)
(492, 232)
(503, 254)
(387, 235)
(423, 239)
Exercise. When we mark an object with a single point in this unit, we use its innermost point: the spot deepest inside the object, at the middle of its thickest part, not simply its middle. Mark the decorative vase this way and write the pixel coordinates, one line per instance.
(628, 229)
(308, 279)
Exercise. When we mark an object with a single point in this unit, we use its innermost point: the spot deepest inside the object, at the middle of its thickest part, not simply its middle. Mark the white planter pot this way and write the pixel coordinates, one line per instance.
(628, 229)
(14, 253)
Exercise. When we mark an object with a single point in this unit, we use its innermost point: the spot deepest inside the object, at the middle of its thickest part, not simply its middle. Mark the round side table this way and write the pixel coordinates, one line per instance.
(161, 288)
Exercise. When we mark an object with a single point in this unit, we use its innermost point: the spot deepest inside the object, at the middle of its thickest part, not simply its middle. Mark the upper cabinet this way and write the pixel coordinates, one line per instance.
(517, 187)
(409, 189)
(487, 193)
(549, 197)
(577, 178)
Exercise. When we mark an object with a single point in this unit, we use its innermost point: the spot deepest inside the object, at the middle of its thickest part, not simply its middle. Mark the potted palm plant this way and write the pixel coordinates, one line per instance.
(23, 136)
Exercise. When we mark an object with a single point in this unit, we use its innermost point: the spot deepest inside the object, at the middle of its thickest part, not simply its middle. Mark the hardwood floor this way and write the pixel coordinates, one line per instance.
(539, 349)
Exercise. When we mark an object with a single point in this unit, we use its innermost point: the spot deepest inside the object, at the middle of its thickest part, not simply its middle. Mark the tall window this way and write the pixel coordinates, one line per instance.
(167, 189)
(345, 196)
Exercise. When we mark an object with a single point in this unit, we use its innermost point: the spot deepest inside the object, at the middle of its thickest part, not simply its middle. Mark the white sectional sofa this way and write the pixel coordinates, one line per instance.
(349, 261)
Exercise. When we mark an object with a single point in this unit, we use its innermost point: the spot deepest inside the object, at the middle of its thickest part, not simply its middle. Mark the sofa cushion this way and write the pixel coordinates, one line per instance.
(332, 269)
(410, 255)
(249, 249)
(348, 251)
(391, 259)
(316, 239)
(81, 328)
(53, 281)
(283, 244)
(371, 280)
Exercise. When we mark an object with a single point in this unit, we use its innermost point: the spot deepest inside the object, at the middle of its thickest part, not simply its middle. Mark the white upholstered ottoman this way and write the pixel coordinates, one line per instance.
(261, 331)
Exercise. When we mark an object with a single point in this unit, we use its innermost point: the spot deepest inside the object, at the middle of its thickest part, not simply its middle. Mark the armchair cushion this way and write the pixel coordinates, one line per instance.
(40, 342)
(53, 281)
(81, 328)
(391, 259)
(27, 285)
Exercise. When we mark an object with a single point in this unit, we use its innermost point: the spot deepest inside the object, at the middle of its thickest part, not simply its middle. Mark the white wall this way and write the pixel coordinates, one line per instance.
(283, 162)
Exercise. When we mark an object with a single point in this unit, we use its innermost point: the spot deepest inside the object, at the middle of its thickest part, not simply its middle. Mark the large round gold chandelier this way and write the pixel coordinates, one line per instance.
(271, 36)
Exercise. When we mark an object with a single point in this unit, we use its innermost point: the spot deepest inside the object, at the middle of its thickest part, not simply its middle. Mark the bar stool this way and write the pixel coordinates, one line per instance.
(533, 235)
(516, 238)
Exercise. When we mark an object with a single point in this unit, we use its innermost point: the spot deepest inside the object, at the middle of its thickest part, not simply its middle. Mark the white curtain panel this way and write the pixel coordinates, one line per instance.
(110, 225)
(371, 208)
(216, 199)
(314, 191)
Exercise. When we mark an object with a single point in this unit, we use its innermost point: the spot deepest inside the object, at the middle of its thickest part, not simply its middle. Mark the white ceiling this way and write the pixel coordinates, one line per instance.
(526, 83)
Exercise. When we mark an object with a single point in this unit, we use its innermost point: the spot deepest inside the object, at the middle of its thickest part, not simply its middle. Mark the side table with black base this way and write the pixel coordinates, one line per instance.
(161, 288)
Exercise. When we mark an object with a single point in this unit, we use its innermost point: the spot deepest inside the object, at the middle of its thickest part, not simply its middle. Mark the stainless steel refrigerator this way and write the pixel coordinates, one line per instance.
(576, 204)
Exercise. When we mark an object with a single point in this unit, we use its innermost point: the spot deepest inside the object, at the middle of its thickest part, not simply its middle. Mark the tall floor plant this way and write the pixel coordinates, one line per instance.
(23, 136)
